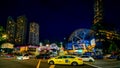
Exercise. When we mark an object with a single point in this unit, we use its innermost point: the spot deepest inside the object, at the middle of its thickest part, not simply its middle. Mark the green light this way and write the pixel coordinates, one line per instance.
(80, 50)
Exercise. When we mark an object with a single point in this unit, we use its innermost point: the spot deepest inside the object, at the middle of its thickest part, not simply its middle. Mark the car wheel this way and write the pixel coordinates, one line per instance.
(51, 62)
(90, 60)
(74, 63)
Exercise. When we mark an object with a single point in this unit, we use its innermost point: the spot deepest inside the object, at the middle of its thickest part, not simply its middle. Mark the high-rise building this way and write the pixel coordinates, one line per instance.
(21, 30)
(34, 33)
(10, 30)
(98, 11)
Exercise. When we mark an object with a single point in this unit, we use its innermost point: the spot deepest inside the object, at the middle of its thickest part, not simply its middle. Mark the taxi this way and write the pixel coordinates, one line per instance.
(66, 59)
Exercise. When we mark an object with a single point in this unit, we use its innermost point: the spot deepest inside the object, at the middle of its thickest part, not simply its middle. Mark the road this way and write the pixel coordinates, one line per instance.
(33, 63)
(106, 63)
(37, 63)
(14, 63)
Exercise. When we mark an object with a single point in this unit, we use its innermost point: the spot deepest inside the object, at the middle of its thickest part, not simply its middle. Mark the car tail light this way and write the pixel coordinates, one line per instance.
(79, 58)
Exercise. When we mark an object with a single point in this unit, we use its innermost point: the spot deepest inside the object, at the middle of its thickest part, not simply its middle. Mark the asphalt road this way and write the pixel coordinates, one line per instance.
(33, 63)
(107, 63)
(45, 65)
(14, 63)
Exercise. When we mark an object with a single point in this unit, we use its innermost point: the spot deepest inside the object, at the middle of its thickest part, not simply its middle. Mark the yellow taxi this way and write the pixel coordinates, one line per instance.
(66, 59)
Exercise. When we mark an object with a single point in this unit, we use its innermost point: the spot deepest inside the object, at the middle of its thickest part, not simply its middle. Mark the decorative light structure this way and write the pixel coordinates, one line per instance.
(98, 11)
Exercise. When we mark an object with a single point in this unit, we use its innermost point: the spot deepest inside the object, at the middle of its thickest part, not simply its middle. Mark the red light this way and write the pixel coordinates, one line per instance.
(80, 59)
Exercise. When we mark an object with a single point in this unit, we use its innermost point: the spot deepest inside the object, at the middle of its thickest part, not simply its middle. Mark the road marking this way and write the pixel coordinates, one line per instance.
(52, 66)
(38, 65)
(93, 65)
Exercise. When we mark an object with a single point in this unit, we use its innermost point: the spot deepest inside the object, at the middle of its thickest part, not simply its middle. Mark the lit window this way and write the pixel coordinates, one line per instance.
(10, 22)
(21, 20)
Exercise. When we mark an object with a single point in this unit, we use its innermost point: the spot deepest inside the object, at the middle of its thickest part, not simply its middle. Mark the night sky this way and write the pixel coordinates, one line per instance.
(58, 18)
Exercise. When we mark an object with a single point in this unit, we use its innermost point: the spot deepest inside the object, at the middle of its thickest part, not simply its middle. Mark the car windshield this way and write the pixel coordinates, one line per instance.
(85, 56)
(26, 55)
(60, 57)
(19, 54)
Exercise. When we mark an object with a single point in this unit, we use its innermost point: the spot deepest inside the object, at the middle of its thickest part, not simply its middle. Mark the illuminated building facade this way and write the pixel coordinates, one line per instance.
(21, 30)
(34, 34)
(10, 30)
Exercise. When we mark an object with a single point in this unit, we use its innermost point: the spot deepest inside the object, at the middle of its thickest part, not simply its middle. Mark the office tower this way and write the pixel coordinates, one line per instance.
(21, 30)
(98, 11)
(34, 34)
(10, 30)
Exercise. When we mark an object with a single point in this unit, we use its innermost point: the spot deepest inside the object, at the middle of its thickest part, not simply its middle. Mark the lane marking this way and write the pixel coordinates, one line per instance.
(38, 65)
(52, 66)
(93, 65)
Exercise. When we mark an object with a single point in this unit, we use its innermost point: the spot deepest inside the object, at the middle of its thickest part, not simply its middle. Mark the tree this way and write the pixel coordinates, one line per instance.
(113, 47)
(2, 35)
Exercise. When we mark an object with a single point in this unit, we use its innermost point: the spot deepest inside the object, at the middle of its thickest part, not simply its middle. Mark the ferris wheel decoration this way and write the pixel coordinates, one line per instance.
(83, 38)
(54, 46)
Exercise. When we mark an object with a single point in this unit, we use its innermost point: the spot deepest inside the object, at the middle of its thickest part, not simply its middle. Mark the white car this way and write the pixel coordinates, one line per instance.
(22, 57)
(87, 58)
